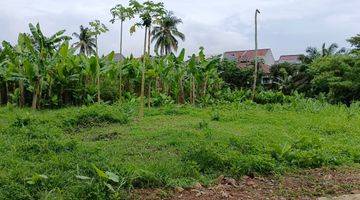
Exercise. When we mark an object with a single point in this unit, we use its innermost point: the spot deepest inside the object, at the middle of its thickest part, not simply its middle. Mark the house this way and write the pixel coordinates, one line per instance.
(246, 58)
(292, 59)
(118, 57)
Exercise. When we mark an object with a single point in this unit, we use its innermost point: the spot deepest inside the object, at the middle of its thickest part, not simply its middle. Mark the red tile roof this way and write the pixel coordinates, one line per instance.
(289, 58)
(246, 55)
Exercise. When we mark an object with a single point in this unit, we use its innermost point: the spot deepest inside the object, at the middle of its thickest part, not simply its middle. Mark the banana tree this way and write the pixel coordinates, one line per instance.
(66, 74)
(6, 69)
(42, 48)
(179, 71)
(122, 71)
(193, 74)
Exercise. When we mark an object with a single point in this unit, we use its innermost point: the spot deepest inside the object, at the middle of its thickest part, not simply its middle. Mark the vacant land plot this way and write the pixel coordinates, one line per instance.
(102, 151)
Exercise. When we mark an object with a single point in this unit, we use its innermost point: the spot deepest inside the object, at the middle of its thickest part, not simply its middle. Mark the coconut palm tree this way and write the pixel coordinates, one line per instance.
(86, 43)
(313, 52)
(165, 34)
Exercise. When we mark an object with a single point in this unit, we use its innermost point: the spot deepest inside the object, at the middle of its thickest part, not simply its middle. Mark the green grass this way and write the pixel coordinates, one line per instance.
(99, 152)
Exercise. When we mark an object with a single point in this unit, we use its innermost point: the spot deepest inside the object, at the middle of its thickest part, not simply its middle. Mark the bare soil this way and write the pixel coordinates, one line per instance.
(304, 184)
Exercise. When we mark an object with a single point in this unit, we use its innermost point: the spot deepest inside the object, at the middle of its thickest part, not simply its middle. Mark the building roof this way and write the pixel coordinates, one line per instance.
(246, 55)
(118, 57)
(289, 58)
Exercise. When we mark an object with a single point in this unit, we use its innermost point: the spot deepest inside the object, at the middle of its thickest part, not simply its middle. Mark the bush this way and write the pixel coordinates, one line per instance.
(96, 115)
(269, 97)
(205, 158)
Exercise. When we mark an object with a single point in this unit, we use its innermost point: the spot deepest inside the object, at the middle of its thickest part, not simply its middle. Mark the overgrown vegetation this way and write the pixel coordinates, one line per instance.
(99, 152)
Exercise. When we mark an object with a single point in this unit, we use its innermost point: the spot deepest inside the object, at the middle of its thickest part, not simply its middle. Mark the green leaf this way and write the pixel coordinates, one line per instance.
(82, 177)
(110, 187)
(112, 176)
(36, 178)
(100, 173)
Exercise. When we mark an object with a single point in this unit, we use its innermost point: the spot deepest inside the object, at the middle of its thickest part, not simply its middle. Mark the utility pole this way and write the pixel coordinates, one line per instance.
(256, 59)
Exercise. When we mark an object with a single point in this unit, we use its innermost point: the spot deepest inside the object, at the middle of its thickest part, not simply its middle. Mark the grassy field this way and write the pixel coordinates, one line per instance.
(102, 151)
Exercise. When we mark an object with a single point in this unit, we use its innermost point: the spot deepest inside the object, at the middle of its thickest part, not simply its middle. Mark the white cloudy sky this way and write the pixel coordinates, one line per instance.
(286, 26)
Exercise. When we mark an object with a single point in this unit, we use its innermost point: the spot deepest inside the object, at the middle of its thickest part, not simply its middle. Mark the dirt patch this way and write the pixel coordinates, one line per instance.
(106, 137)
(306, 184)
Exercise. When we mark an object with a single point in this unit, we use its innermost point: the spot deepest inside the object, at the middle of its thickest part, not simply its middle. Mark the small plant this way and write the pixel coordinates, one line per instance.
(36, 178)
(203, 125)
(215, 116)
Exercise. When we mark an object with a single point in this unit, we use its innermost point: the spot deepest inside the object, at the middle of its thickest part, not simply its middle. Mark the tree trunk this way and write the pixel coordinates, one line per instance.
(62, 96)
(157, 84)
(121, 37)
(181, 99)
(36, 94)
(149, 94)
(97, 48)
(0, 94)
(6, 92)
(22, 95)
(98, 88)
(149, 40)
(120, 85)
(193, 91)
(142, 90)
(205, 86)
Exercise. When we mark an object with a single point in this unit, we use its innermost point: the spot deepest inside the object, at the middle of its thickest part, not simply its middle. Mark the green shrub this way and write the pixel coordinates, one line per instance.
(269, 97)
(95, 116)
(215, 116)
(252, 164)
(205, 158)
(203, 124)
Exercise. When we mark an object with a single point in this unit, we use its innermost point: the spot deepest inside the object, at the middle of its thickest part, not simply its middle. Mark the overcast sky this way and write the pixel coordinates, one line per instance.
(285, 26)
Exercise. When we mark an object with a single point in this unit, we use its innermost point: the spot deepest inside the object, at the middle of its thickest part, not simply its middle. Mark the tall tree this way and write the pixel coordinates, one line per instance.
(86, 43)
(355, 42)
(119, 12)
(148, 12)
(97, 29)
(165, 34)
(313, 52)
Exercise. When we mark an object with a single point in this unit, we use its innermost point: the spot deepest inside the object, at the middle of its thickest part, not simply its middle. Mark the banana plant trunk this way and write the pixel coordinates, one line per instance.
(22, 94)
(181, 99)
(194, 91)
(120, 86)
(149, 94)
(98, 88)
(6, 92)
(157, 84)
(205, 86)
(36, 94)
(0, 95)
